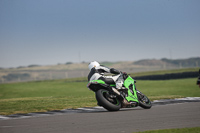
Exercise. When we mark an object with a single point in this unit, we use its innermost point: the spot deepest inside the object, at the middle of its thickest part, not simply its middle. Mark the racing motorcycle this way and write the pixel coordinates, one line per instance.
(110, 100)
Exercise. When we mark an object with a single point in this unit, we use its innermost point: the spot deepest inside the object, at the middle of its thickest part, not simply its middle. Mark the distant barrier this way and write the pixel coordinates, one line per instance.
(168, 76)
(26, 77)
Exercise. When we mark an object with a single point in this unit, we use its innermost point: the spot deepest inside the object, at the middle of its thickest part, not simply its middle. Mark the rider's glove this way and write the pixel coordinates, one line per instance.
(125, 75)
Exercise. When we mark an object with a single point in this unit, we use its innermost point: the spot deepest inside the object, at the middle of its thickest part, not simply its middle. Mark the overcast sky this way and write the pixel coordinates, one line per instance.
(46, 32)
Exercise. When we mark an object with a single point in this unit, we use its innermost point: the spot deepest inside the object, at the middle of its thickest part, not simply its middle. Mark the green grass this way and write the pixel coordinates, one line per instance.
(160, 89)
(179, 130)
(44, 96)
(61, 94)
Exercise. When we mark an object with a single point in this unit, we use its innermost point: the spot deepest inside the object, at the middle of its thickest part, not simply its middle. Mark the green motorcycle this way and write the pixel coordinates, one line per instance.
(107, 97)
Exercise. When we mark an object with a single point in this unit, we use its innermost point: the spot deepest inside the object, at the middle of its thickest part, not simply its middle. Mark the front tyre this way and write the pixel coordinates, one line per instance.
(107, 101)
(144, 101)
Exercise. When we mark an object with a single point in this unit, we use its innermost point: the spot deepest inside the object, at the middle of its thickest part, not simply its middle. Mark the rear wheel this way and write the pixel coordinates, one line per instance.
(108, 101)
(144, 101)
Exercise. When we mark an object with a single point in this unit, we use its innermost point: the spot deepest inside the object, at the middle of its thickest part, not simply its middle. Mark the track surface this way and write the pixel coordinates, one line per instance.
(124, 121)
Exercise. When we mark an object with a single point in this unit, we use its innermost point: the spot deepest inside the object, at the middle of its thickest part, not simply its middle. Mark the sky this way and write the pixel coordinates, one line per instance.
(49, 32)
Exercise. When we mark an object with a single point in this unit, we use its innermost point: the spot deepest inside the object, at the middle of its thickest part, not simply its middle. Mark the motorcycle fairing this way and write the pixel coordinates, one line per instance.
(132, 94)
(129, 83)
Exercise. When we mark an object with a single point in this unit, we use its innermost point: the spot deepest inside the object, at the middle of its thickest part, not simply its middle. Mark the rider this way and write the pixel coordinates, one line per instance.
(198, 80)
(97, 71)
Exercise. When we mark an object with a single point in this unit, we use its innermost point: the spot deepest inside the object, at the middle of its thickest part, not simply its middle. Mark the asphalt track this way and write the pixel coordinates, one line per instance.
(165, 116)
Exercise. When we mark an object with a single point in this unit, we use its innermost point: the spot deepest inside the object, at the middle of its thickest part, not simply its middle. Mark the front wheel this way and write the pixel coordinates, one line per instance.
(106, 100)
(144, 101)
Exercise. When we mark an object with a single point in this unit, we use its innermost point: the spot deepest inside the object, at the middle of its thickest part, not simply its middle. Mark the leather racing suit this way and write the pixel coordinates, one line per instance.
(99, 71)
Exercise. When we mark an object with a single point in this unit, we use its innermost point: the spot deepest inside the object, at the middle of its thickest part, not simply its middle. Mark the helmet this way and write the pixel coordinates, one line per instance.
(93, 64)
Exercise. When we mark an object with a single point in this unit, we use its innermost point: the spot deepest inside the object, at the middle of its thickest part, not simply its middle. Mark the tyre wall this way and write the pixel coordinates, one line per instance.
(168, 76)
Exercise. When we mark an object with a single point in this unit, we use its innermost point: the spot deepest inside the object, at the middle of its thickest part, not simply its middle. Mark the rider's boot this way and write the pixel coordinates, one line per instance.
(126, 104)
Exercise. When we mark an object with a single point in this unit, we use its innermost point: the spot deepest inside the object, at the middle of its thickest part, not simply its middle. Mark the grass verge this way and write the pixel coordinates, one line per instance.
(178, 130)
(61, 94)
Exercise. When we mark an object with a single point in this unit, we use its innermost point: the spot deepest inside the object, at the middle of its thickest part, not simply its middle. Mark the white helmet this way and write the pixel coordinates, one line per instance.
(93, 64)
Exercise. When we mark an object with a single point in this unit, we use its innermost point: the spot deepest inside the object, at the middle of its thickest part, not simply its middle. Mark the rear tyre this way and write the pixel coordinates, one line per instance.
(144, 101)
(107, 101)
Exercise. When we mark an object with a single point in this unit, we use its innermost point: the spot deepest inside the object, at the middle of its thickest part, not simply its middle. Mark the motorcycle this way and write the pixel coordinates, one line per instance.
(108, 98)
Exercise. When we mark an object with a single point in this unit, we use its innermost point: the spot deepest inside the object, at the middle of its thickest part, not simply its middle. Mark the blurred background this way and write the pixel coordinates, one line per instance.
(54, 39)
